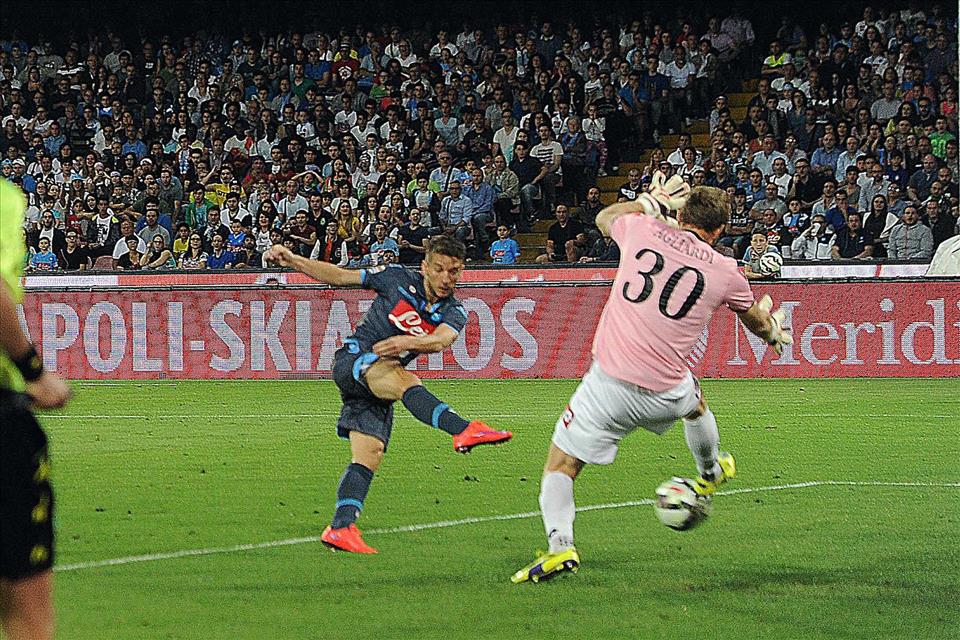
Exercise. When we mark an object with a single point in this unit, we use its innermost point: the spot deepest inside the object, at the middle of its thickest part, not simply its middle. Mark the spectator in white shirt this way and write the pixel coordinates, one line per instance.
(682, 75)
(550, 153)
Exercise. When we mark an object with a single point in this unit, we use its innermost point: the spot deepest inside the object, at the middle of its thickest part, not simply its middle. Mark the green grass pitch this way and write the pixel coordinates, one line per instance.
(154, 468)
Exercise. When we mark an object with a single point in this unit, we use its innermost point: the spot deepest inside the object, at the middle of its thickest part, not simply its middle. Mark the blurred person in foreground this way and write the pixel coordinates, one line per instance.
(26, 497)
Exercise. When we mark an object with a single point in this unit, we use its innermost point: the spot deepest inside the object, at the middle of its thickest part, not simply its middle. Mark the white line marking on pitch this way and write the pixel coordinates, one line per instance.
(221, 416)
(184, 416)
(188, 553)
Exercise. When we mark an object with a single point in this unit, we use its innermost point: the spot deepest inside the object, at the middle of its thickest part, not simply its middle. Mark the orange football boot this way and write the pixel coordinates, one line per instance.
(478, 433)
(346, 538)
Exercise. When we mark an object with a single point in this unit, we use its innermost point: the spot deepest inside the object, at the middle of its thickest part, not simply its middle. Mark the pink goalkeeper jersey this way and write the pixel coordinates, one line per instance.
(668, 285)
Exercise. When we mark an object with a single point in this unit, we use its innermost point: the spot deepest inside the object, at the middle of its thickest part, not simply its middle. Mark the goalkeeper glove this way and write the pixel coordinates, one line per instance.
(778, 335)
(664, 196)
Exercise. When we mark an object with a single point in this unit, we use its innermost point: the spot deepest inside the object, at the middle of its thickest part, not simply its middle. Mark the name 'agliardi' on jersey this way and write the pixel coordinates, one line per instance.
(667, 287)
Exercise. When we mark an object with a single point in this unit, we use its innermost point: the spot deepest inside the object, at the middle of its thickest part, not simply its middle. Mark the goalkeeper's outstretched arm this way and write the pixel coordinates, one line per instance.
(769, 326)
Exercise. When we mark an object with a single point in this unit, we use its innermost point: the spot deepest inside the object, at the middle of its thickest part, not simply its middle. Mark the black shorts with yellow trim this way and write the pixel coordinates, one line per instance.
(26, 497)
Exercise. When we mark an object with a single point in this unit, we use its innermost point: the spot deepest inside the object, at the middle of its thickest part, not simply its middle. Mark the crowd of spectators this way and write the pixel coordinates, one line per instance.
(356, 147)
(848, 150)
(856, 152)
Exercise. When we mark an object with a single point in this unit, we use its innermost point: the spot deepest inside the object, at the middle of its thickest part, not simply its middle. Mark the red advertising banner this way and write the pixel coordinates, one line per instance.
(840, 329)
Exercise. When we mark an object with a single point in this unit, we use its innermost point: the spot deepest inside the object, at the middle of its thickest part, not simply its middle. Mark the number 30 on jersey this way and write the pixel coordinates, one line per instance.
(631, 294)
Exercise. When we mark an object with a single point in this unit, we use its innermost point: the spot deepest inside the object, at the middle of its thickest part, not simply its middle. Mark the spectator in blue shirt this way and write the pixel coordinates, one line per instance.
(633, 94)
(55, 139)
(837, 215)
(755, 188)
(43, 259)
(445, 174)
(824, 159)
(656, 87)
(134, 145)
(382, 245)
(456, 213)
(236, 237)
(896, 172)
(27, 182)
(482, 195)
(219, 258)
(505, 250)
(317, 69)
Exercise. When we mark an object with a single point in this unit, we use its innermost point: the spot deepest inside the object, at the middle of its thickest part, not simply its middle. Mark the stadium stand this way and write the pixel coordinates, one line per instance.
(326, 141)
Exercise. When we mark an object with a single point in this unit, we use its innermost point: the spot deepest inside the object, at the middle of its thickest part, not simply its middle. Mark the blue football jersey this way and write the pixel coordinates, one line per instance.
(401, 308)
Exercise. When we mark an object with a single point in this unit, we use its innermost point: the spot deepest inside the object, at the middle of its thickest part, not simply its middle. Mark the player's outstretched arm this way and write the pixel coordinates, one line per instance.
(46, 390)
(664, 196)
(321, 271)
(769, 326)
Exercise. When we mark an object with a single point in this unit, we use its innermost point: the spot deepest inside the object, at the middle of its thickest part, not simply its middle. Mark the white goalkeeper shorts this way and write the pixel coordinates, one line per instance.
(604, 409)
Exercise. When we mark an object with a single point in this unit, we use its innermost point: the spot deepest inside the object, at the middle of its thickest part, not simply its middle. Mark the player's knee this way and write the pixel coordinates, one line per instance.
(560, 461)
(389, 381)
(569, 467)
(370, 457)
(699, 411)
(401, 382)
(367, 451)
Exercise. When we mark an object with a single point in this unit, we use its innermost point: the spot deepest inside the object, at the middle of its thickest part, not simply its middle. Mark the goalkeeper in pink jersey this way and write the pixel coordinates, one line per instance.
(669, 283)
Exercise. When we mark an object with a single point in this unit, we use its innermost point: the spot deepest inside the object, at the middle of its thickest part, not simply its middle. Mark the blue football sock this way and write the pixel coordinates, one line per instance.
(354, 484)
(426, 408)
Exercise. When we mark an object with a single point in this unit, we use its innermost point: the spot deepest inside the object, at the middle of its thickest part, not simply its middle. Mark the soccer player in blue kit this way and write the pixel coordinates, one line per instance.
(413, 313)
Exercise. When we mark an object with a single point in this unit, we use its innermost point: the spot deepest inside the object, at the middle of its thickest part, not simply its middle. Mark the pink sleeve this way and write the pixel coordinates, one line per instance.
(739, 296)
(618, 228)
(624, 226)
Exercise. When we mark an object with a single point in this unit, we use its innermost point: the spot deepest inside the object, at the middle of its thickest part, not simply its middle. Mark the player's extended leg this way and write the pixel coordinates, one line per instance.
(703, 440)
(389, 381)
(26, 607)
(558, 510)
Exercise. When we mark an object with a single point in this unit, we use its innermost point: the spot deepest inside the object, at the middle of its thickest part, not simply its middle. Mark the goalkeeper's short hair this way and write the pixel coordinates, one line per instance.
(708, 208)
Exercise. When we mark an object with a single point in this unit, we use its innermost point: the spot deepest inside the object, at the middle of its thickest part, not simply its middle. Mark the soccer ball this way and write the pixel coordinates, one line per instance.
(771, 263)
(680, 507)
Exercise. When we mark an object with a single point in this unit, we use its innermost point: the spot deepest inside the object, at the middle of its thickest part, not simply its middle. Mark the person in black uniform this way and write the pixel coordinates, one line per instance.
(413, 313)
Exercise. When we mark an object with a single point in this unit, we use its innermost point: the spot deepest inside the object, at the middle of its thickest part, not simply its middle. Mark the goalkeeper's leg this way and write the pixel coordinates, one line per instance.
(558, 511)
(703, 440)
(556, 498)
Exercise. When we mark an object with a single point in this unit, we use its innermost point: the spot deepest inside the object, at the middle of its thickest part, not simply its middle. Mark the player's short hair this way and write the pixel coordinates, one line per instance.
(708, 208)
(447, 246)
